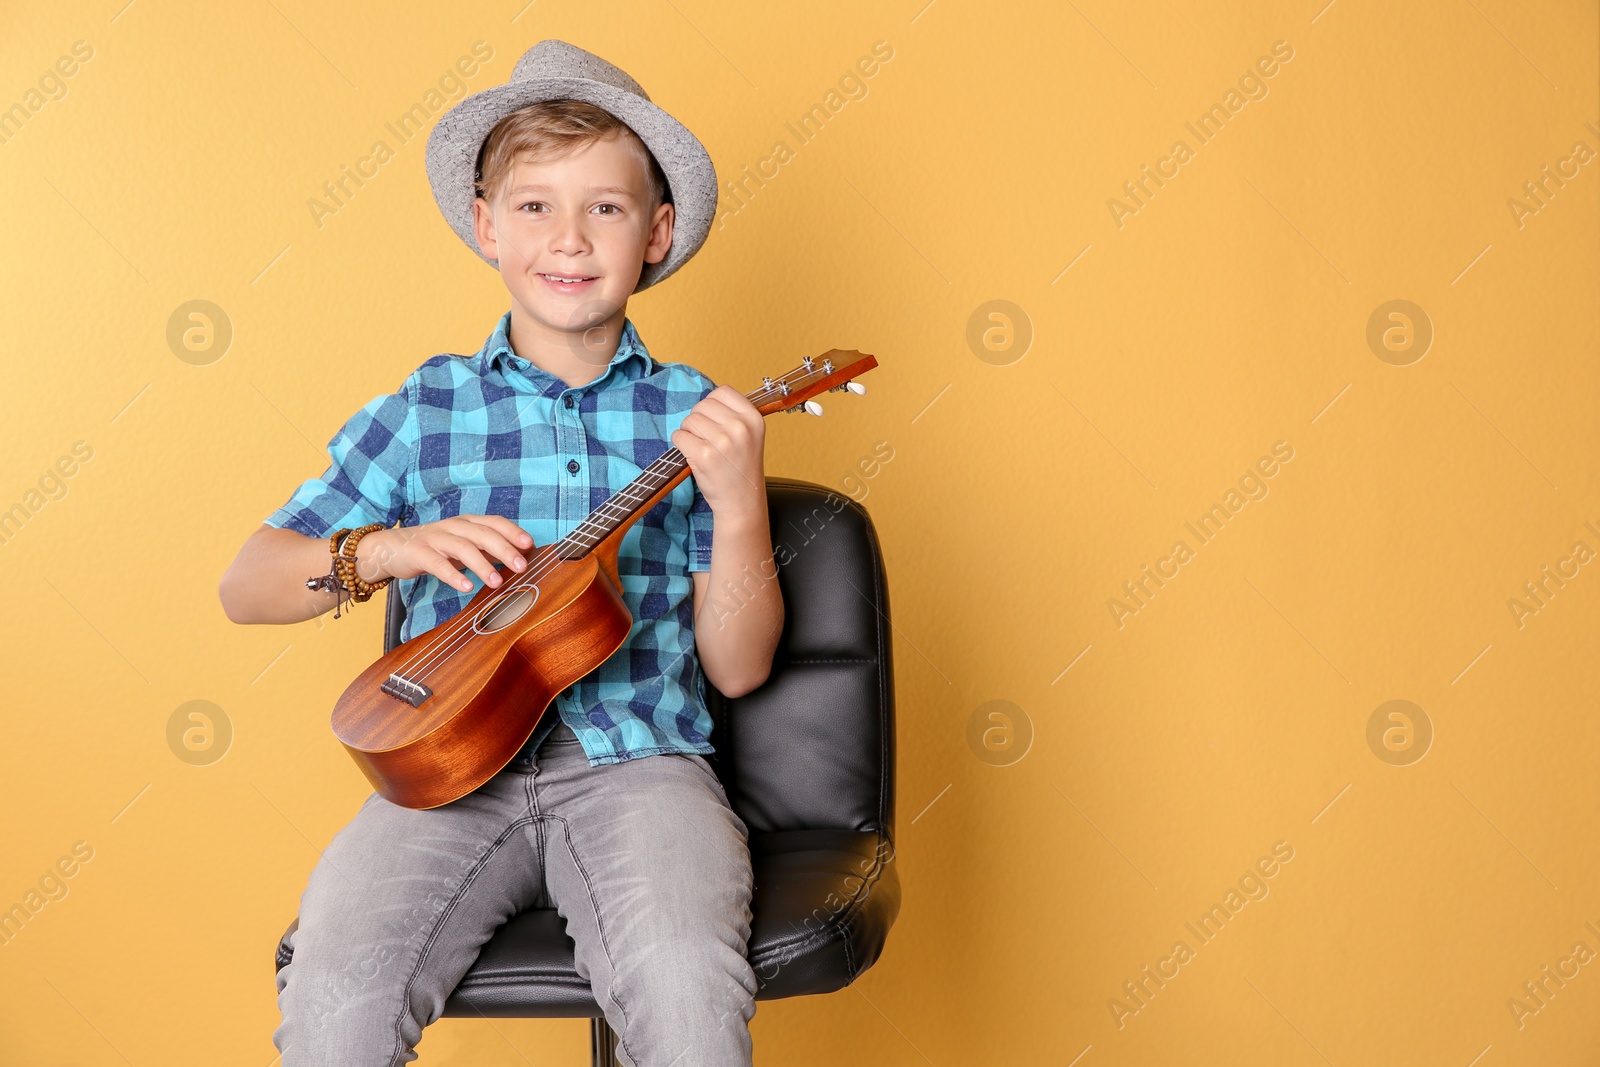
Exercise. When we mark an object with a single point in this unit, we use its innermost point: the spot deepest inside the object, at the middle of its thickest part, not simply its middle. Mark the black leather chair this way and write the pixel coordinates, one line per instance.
(808, 763)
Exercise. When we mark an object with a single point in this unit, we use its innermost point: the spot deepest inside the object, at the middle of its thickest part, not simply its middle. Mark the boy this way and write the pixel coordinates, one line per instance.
(580, 192)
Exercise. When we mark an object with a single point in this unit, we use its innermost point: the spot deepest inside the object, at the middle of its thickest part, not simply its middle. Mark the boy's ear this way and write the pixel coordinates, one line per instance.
(655, 250)
(483, 227)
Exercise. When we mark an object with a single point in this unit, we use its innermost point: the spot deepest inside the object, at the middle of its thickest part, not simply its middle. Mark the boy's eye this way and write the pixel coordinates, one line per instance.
(606, 209)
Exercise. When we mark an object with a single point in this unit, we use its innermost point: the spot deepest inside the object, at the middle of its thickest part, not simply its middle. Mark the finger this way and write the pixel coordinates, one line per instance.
(698, 448)
(488, 539)
(505, 527)
(460, 548)
(732, 398)
(737, 416)
(727, 446)
(718, 409)
(692, 447)
(747, 416)
(435, 563)
(700, 453)
(714, 433)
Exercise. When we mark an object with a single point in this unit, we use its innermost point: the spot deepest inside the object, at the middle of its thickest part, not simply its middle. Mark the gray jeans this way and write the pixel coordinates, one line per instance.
(644, 859)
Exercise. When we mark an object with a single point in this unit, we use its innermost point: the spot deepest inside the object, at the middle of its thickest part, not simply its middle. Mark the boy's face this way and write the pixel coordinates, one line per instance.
(584, 216)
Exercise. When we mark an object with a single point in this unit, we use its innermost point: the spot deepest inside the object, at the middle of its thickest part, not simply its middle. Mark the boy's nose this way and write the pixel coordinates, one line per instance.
(569, 237)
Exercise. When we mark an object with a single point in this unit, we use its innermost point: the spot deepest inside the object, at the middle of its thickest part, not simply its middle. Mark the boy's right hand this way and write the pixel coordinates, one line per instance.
(443, 548)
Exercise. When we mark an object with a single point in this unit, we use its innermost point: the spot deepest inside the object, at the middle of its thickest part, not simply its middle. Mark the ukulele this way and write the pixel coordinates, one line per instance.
(442, 713)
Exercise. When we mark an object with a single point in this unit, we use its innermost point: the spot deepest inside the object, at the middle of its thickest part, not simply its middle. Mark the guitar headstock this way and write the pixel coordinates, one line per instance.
(833, 371)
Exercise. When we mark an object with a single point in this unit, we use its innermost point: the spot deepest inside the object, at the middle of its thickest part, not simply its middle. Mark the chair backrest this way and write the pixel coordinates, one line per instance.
(812, 748)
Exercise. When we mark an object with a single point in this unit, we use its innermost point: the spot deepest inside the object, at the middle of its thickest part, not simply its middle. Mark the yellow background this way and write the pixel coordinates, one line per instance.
(1228, 314)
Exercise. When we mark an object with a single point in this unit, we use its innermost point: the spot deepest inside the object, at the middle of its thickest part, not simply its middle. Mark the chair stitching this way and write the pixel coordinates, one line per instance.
(880, 590)
(848, 914)
(849, 960)
(478, 981)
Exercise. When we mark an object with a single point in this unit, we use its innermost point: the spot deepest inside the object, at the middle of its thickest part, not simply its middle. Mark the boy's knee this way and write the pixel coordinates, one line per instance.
(696, 1013)
(332, 975)
(344, 1000)
(346, 955)
(709, 971)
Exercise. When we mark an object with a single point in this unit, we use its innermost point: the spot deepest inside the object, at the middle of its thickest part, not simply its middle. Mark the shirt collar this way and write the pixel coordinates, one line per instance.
(632, 359)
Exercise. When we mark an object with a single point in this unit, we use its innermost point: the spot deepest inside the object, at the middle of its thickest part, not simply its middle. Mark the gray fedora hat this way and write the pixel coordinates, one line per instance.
(556, 70)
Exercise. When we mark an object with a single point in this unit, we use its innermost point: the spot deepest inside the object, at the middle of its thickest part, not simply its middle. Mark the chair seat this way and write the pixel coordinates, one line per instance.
(823, 904)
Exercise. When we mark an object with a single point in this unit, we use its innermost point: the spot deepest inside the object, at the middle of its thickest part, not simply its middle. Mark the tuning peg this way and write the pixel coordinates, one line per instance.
(849, 387)
(813, 408)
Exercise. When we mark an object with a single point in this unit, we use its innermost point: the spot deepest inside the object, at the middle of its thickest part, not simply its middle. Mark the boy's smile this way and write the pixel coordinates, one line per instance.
(567, 283)
(571, 236)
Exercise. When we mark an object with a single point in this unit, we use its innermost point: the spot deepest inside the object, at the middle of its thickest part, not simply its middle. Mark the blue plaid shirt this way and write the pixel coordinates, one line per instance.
(492, 434)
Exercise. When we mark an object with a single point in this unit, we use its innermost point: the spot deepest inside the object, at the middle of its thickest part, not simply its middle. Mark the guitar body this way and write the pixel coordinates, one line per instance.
(482, 707)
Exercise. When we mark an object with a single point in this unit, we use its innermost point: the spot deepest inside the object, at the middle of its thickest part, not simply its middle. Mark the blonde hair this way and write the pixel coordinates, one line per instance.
(549, 130)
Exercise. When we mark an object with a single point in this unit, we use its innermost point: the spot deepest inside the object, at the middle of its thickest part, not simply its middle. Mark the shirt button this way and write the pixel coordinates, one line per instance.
(567, 400)
(572, 466)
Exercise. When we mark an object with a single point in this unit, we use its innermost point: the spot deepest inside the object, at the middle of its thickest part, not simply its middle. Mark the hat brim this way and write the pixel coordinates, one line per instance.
(452, 157)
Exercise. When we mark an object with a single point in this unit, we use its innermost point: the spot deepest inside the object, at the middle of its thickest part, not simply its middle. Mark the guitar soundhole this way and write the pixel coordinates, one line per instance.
(507, 611)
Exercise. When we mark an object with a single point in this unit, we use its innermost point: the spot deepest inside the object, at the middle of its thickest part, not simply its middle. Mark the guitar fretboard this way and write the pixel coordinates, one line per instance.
(621, 508)
(793, 389)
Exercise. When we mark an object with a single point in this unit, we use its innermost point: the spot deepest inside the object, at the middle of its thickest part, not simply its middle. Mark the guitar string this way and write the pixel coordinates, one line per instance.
(453, 638)
(448, 643)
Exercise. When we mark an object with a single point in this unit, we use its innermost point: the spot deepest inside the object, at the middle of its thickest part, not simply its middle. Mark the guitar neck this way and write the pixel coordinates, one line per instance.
(792, 392)
(617, 514)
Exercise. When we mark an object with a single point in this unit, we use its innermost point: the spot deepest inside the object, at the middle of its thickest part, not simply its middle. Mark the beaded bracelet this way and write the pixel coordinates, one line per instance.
(342, 579)
(360, 589)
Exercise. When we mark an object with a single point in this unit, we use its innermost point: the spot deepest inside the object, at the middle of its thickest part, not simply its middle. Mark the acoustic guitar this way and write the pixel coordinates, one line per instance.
(442, 713)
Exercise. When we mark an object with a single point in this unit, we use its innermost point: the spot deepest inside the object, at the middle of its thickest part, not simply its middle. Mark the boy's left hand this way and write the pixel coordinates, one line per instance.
(723, 438)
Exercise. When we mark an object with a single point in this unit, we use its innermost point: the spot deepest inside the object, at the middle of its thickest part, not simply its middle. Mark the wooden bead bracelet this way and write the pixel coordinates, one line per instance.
(344, 561)
(342, 579)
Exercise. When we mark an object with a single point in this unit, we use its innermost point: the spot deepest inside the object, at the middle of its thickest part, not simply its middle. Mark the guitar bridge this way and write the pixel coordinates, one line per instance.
(413, 693)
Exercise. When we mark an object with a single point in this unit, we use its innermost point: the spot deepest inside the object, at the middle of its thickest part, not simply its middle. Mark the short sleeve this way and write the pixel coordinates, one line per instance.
(699, 533)
(365, 483)
(700, 517)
